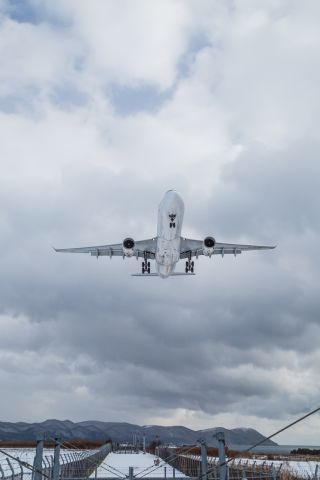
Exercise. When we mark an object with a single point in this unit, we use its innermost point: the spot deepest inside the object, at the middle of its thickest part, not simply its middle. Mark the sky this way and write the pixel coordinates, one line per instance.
(104, 106)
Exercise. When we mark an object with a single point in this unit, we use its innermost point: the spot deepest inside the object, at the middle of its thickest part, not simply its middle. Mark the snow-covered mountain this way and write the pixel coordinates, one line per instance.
(120, 431)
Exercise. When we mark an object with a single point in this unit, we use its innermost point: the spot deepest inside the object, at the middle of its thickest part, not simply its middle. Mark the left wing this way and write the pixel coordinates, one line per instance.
(142, 248)
(194, 248)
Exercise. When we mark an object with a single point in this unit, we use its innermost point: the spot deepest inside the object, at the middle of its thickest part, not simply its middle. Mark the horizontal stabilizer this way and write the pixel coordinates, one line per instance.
(174, 274)
(144, 274)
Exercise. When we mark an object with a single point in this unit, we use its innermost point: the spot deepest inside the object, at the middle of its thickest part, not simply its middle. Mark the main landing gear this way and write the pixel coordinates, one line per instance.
(189, 266)
(172, 225)
(145, 267)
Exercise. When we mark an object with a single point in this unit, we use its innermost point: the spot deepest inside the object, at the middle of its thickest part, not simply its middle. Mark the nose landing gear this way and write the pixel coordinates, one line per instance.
(189, 266)
(172, 217)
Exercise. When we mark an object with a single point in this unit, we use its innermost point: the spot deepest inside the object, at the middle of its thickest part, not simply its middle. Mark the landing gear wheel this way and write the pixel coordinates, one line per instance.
(148, 269)
(174, 225)
(189, 266)
(148, 266)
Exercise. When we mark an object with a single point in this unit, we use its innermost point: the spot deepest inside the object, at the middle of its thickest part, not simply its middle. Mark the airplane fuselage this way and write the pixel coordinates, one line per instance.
(170, 218)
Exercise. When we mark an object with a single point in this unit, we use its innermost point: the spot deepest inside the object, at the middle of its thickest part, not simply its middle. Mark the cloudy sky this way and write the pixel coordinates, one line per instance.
(105, 105)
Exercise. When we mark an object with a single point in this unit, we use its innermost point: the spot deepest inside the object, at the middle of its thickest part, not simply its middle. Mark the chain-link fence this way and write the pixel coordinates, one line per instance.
(69, 464)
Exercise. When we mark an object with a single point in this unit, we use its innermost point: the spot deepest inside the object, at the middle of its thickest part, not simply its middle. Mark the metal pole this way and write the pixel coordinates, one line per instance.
(47, 466)
(130, 473)
(21, 469)
(204, 461)
(253, 468)
(51, 465)
(222, 456)
(56, 458)
(1, 471)
(165, 472)
(244, 472)
(11, 468)
(316, 472)
(37, 474)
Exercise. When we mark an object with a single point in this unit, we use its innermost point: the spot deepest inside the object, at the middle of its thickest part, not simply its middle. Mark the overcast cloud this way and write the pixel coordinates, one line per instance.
(104, 106)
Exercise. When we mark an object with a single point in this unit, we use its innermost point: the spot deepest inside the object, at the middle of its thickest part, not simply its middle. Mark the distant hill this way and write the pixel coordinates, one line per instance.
(118, 431)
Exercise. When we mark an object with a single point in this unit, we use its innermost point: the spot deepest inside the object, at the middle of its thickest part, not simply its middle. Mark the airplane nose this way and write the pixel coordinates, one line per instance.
(164, 271)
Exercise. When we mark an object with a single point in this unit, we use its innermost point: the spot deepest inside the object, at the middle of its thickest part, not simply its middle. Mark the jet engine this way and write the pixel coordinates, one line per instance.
(128, 247)
(208, 246)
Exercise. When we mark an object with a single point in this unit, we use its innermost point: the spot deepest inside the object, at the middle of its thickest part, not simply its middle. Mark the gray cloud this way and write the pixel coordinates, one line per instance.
(80, 335)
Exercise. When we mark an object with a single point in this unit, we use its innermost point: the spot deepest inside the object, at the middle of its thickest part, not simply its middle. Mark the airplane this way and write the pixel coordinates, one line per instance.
(168, 247)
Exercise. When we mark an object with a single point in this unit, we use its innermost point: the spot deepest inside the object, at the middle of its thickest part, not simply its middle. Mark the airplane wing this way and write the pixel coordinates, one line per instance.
(195, 248)
(142, 248)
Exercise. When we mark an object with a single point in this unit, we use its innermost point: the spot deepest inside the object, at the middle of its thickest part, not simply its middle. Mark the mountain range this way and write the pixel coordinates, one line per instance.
(123, 432)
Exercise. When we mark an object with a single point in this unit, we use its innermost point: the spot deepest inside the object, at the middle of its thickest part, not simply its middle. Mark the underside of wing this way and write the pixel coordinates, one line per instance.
(141, 248)
(194, 248)
(234, 248)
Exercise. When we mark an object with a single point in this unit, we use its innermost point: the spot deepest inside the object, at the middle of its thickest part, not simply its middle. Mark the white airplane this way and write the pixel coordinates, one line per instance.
(168, 247)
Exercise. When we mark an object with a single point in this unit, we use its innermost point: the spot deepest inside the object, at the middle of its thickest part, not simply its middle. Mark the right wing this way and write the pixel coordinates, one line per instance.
(142, 248)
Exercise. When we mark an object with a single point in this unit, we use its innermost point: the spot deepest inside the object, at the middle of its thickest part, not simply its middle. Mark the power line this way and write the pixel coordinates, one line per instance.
(264, 440)
(276, 433)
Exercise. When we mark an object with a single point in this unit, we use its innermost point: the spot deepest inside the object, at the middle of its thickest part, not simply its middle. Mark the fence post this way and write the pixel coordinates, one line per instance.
(130, 473)
(21, 469)
(56, 458)
(37, 474)
(11, 468)
(253, 469)
(316, 472)
(204, 460)
(46, 464)
(165, 472)
(1, 471)
(222, 456)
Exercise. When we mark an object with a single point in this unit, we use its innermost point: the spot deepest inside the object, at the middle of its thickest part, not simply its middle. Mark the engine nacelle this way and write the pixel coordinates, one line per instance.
(128, 247)
(208, 246)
